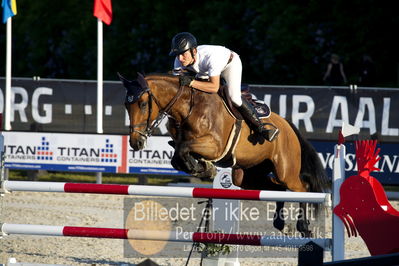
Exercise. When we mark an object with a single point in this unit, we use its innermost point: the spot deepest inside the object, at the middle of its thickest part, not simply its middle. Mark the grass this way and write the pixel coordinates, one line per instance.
(81, 177)
(391, 188)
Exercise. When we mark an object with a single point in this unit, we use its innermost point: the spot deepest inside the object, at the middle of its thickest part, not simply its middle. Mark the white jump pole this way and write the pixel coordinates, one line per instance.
(174, 236)
(166, 191)
(338, 234)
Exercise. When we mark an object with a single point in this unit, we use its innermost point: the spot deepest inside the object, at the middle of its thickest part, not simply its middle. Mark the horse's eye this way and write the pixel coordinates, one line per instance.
(143, 105)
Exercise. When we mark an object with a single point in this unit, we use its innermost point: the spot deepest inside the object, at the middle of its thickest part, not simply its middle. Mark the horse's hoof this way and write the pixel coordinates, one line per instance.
(278, 224)
(213, 171)
(178, 164)
(204, 176)
(205, 179)
(209, 171)
(303, 227)
(307, 234)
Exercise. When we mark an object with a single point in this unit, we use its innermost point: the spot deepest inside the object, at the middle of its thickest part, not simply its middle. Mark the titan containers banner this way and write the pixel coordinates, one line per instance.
(86, 153)
(64, 152)
(153, 159)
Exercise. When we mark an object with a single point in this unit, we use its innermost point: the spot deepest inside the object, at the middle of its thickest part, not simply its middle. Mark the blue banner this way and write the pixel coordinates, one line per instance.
(389, 162)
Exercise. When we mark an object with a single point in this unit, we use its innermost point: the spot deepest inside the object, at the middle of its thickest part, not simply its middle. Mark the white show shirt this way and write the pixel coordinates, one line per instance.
(211, 61)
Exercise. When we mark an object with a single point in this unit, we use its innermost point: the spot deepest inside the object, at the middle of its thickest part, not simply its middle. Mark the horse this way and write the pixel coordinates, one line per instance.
(206, 134)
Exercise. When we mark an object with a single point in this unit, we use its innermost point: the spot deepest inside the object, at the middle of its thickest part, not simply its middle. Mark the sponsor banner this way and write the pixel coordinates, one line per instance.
(86, 153)
(389, 162)
(155, 158)
(318, 112)
(48, 105)
(66, 152)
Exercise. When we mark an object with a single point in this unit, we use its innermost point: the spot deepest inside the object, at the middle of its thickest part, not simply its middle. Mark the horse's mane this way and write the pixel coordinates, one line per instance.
(168, 77)
(161, 76)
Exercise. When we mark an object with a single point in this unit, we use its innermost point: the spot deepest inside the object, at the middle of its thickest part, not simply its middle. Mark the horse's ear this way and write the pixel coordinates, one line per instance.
(128, 84)
(141, 80)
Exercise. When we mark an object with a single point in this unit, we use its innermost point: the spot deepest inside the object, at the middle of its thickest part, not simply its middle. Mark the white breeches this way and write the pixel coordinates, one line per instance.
(232, 74)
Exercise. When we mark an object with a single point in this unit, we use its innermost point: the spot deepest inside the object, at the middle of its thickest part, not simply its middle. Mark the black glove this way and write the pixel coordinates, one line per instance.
(185, 80)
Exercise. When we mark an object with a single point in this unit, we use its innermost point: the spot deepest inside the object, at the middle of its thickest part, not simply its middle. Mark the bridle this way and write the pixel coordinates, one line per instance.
(150, 126)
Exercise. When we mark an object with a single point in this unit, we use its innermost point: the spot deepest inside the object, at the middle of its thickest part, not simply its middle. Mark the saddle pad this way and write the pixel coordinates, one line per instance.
(262, 109)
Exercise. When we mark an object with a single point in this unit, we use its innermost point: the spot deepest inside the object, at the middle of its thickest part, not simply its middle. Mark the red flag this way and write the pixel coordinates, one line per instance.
(103, 10)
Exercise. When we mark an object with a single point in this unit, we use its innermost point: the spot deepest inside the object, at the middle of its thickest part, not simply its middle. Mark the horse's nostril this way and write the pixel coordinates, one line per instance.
(137, 144)
(140, 144)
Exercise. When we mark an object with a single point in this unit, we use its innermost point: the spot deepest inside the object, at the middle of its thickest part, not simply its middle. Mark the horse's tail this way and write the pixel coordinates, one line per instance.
(312, 170)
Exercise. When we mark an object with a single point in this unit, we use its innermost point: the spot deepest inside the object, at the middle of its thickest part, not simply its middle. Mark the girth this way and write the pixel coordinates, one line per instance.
(228, 159)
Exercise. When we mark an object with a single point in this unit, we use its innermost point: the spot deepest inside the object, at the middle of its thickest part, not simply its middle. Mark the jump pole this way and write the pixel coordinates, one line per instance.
(173, 236)
(338, 234)
(162, 191)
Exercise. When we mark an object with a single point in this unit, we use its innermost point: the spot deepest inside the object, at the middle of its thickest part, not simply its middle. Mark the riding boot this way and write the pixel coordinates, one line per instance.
(249, 113)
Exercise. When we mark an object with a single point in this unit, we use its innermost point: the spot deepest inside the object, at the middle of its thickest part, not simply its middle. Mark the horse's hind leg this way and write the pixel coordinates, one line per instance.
(257, 178)
(279, 219)
(289, 174)
(302, 225)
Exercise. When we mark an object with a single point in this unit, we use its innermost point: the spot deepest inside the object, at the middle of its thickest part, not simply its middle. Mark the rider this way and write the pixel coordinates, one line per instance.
(214, 62)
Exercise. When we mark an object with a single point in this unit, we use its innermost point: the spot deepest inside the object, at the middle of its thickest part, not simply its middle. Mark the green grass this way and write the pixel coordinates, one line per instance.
(107, 178)
(391, 188)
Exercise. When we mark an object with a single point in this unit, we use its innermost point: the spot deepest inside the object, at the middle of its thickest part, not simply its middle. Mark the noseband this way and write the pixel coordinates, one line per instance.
(150, 126)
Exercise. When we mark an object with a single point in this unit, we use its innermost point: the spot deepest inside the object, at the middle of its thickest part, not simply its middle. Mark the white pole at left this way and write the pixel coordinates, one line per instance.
(7, 100)
(99, 76)
(99, 86)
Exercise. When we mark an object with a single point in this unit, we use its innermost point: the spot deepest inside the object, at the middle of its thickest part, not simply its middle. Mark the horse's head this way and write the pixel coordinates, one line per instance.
(139, 105)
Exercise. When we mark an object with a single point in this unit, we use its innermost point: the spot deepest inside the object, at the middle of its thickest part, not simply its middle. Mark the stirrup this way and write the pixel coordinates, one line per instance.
(273, 135)
(269, 133)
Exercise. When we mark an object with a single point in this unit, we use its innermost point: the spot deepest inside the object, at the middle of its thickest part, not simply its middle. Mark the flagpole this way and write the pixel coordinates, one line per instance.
(7, 100)
(99, 86)
(99, 76)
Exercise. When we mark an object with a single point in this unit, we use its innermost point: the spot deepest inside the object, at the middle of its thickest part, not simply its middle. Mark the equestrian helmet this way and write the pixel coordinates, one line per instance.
(182, 42)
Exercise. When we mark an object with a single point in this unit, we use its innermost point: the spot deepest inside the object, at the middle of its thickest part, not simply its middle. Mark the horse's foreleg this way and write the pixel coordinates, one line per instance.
(178, 163)
(202, 148)
(184, 160)
(188, 161)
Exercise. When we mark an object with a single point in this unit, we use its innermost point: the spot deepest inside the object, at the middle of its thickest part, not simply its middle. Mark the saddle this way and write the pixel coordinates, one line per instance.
(261, 108)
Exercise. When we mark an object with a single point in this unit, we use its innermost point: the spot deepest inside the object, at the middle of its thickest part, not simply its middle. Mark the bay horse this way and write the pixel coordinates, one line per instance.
(205, 133)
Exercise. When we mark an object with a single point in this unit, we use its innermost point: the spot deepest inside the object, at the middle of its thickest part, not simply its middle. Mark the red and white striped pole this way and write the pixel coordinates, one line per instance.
(174, 236)
(166, 191)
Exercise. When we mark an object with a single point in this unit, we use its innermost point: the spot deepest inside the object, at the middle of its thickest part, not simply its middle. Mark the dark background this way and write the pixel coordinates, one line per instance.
(280, 41)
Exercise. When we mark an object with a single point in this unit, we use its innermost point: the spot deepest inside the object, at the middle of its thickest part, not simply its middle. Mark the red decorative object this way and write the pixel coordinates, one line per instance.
(364, 208)
(341, 138)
